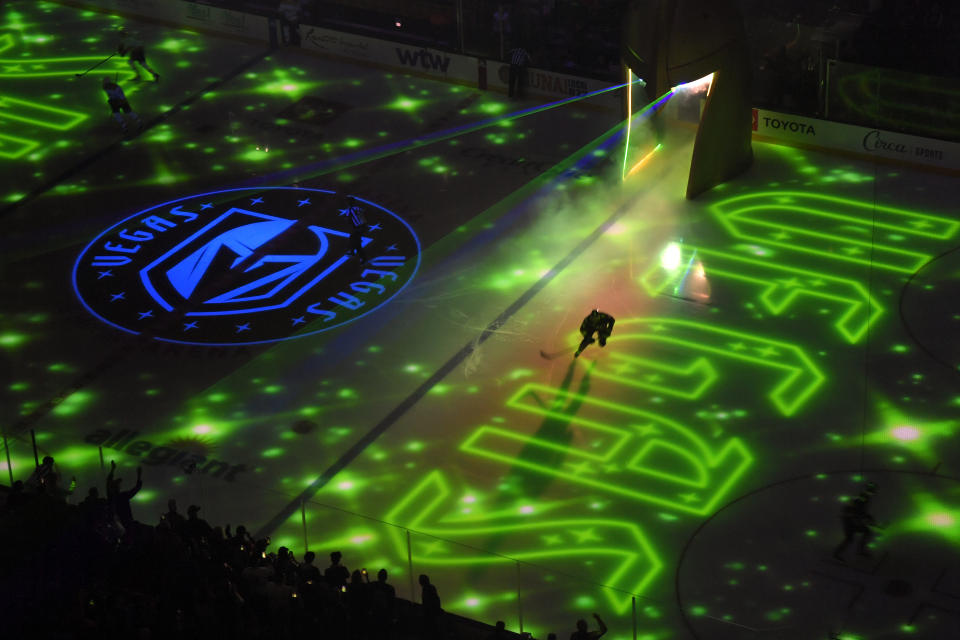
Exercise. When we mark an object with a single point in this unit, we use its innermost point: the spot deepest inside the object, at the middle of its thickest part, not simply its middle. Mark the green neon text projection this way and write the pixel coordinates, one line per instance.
(626, 451)
(797, 377)
(781, 286)
(640, 454)
(836, 229)
(651, 458)
(66, 66)
(35, 113)
(620, 544)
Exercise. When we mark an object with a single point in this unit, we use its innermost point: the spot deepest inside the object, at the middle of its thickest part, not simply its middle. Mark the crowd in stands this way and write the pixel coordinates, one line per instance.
(92, 571)
(579, 37)
(791, 42)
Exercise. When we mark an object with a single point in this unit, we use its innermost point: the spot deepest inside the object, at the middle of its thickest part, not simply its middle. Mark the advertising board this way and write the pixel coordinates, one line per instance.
(836, 136)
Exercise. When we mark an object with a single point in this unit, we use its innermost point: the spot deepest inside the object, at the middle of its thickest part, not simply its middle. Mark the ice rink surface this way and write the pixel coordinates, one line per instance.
(779, 342)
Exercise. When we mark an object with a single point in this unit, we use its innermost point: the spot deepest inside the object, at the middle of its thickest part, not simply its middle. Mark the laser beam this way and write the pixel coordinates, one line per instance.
(650, 108)
(383, 151)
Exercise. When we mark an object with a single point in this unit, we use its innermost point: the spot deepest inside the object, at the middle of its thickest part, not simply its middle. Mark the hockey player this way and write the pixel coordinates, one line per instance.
(596, 322)
(856, 520)
(359, 221)
(118, 102)
(133, 49)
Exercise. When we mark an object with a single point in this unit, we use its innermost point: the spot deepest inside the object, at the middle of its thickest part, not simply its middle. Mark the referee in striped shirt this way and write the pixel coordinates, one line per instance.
(519, 58)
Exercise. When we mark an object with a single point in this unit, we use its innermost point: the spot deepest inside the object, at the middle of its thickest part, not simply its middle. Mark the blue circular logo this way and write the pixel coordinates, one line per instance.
(246, 266)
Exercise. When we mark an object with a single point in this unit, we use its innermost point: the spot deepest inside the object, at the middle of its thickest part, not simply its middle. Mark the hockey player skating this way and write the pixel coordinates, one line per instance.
(133, 49)
(118, 102)
(596, 322)
(359, 221)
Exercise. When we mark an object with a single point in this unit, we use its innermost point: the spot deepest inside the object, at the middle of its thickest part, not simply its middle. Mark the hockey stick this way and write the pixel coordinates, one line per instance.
(555, 354)
(80, 75)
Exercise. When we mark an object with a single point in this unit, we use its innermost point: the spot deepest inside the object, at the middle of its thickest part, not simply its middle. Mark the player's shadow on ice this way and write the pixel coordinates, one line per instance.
(524, 483)
(555, 430)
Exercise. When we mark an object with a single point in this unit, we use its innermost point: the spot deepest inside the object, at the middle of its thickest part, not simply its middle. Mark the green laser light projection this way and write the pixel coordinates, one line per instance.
(817, 224)
(503, 475)
(621, 544)
(780, 287)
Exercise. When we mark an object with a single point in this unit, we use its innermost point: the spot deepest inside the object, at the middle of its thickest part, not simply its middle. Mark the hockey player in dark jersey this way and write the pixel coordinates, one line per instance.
(856, 520)
(359, 221)
(136, 54)
(596, 322)
(118, 102)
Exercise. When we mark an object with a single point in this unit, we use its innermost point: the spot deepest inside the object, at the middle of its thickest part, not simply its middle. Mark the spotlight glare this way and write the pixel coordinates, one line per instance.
(670, 257)
(704, 82)
(905, 433)
(941, 519)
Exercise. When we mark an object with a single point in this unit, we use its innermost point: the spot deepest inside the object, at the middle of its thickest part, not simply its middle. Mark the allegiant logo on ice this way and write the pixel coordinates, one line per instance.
(246, 266)
(188, 458)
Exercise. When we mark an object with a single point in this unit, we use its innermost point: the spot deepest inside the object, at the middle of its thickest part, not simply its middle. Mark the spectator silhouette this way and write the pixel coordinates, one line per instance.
(196, 528)
(217, 540)
(119, 499)
(307, 574)
(583, 634)
(285, 565)
(16, 498)
(193, 585)
(430, 608)
(336, 574)
(45, 478)
(93, 508)
(241, 537)
(92, 498)
(255, 576)
(499, 631)
(357, 600)
(383, 589)
(278, 597)
(312, 589)
(382, 605)
(173, 517)
(196, 585)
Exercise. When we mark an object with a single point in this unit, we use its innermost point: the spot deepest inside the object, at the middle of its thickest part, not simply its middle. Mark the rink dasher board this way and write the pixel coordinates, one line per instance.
(385, 54)
(768, 126)
(187, 15)
(863, 142)
(453, 67)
